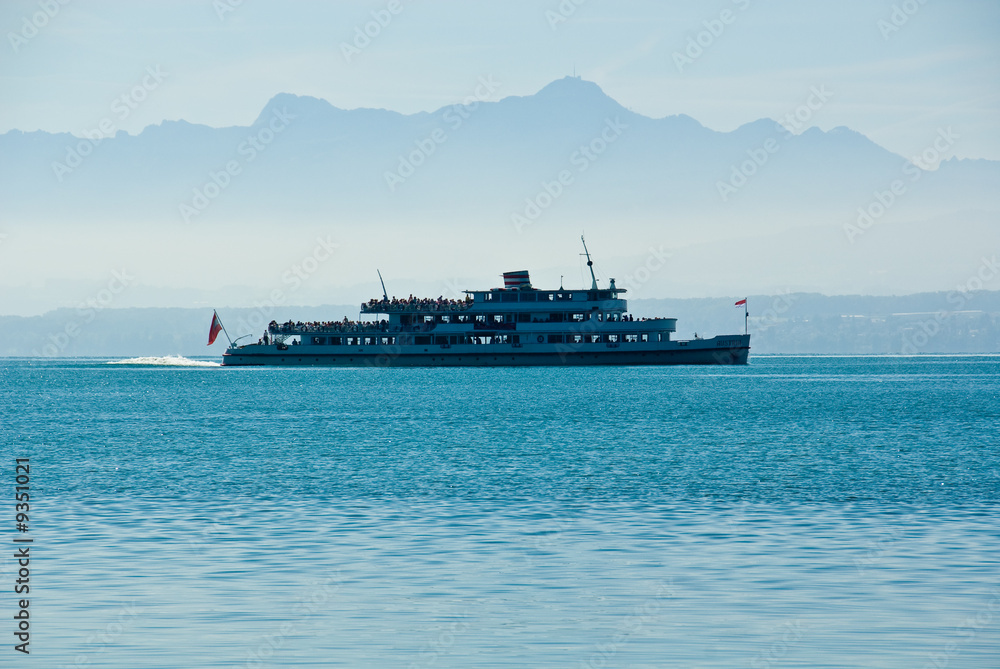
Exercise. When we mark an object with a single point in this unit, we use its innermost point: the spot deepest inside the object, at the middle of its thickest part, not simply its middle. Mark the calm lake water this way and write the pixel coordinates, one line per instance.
(796, 512)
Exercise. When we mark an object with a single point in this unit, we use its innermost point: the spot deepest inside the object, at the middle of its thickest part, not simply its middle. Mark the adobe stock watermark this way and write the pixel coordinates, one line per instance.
(562, 13)
(877, 550)
(224, 7)
(771, 316)
(790, 633)
(440, 645)
(704, 39)
(31, 25)
(582, 159)
(87, 311)
(791, 123)
(365, 33)
(454, 116)
(293, 278)
(638, 277)
(967, 631)
(249, 149)
(988, 270)
(899, 17)
(318, 594)
(883, 200)
(121, 108)
(100, 642)
(633, 623)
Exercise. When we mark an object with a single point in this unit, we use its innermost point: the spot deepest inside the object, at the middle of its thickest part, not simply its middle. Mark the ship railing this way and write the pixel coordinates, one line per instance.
(284, 330)
(383, 307)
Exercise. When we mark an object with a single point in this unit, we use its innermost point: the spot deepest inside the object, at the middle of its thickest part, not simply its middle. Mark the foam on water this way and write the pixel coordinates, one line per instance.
(165, 361)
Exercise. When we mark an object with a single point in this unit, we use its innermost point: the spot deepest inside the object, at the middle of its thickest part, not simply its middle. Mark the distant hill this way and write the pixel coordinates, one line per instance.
(793, 323)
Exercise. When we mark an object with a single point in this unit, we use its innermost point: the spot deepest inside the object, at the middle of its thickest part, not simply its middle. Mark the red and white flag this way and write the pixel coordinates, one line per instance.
(216, 328)
(741, 302)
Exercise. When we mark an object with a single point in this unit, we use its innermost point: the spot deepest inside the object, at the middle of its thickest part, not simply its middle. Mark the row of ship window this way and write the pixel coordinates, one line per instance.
(449, 340)
(542, 296)
(557, 317)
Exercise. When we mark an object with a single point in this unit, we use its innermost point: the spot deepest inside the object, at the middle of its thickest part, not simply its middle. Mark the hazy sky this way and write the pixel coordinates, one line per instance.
(898, 70)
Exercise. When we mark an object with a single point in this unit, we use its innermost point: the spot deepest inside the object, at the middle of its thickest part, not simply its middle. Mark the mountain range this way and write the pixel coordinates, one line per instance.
(468, 188)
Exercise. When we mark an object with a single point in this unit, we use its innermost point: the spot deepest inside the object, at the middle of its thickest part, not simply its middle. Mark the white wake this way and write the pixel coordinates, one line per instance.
(165, 361)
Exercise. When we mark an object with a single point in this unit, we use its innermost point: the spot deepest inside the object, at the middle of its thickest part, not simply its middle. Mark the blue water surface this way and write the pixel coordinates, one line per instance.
(796, 512)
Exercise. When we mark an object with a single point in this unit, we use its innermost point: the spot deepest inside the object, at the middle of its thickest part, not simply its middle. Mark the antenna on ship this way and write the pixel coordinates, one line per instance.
(590, 264)
(384, 294)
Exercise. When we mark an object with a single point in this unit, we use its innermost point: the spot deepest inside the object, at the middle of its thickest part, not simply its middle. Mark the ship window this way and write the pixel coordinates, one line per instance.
(500, 339)
(524, 317)
(419, 340)
(487, 297)
(528, 297)
(445, 319)
(319, 340)
(575, 339)
(545, 297)
(480, 318)
(594, 339)
(335, 340)
(577, 317)
(613, 338)
(555, 339)
(508, 297)
(632, 337)
(370, 340)
(497, 318)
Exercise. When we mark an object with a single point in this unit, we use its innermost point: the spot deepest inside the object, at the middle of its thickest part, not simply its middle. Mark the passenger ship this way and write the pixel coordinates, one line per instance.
(517, 325)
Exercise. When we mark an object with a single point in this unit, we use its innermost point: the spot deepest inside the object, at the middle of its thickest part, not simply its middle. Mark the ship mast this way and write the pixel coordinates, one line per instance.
(590, 264)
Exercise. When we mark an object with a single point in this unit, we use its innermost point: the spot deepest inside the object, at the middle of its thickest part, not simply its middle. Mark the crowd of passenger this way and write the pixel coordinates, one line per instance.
(346, 325)
(412, 303)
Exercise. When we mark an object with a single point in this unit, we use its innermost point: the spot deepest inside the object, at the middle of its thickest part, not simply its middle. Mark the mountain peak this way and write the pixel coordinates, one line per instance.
(574, 87)
(569, 95)
(299, 105)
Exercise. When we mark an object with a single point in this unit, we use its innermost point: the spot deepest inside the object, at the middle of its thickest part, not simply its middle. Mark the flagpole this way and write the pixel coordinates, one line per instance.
(746, 317)
(223, 328)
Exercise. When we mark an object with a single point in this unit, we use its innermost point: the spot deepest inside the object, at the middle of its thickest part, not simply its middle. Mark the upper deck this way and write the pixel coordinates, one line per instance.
(514, 300)
(516, 307)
